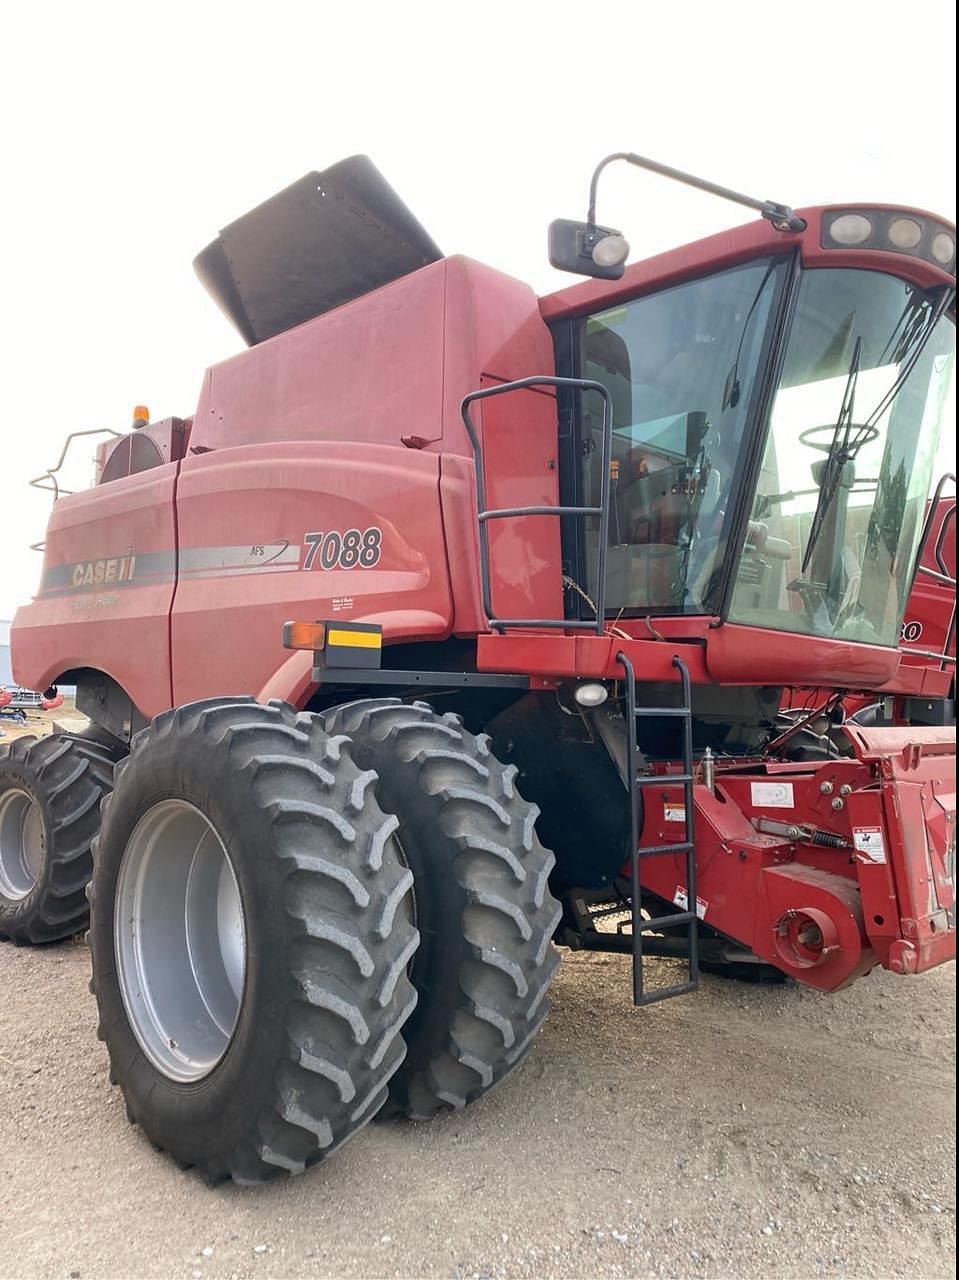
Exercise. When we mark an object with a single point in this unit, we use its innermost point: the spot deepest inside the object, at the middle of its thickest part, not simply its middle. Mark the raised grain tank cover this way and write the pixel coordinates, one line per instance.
(324, 240)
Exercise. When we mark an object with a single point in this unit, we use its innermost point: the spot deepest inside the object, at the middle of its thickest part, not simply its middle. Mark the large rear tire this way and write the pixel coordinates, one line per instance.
(251, 929)
(50, 793)
(483, 905)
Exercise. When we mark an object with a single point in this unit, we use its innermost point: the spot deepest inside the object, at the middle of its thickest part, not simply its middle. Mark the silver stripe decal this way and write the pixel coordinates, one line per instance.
(153, 568)
(197, 559)
(240, 572)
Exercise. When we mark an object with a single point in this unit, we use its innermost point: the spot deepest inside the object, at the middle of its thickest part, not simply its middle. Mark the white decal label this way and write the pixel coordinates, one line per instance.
(674, 813)
(681, 900)
(339, 603)
(869, 842)
(773, 795)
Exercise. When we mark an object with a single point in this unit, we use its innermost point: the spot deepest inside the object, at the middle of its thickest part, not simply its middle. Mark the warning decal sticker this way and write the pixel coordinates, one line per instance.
(870, 843)
(681, 900)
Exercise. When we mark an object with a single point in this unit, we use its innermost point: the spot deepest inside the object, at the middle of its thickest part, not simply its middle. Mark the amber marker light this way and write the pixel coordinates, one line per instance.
(304, 635)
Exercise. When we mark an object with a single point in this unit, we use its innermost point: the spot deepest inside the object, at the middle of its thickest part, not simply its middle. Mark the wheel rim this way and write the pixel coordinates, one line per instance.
(21, 844)
(180, 940)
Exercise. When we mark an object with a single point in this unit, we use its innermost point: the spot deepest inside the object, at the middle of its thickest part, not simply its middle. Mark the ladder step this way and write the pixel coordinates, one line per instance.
(665, 993)
(660, 922)
(685, 847)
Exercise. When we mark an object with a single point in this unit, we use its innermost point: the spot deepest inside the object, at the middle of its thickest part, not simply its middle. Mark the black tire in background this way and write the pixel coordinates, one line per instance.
(326, 927)
(50, 793)
(483, 906)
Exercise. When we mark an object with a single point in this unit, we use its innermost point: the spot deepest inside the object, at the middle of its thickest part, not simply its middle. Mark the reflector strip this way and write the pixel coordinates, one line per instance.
(356, 639)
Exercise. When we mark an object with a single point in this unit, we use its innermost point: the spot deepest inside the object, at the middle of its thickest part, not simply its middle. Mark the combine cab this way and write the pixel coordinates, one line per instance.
(458, 623)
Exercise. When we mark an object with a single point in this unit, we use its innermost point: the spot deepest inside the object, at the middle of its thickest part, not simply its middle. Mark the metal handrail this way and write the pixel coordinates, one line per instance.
(485, 514)
(39, 482)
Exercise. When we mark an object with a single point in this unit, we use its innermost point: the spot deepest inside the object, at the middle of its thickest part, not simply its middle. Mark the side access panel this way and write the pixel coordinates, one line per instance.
(270, 533)
(105, 593)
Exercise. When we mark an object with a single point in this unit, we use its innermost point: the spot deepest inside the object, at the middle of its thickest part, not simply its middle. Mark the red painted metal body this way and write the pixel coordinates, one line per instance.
(365, 405)
(886, 897)
(175, 582)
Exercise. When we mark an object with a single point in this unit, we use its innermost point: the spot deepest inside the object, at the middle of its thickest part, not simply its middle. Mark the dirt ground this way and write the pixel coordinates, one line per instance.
(738, 1132)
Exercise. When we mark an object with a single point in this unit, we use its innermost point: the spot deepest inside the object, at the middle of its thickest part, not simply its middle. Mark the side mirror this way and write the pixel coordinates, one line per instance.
(586, 249)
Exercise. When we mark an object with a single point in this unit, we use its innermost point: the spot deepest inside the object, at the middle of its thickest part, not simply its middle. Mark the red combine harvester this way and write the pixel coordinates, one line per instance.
(552, 564)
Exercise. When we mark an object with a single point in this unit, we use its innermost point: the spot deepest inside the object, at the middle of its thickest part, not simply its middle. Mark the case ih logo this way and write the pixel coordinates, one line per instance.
(96, 573)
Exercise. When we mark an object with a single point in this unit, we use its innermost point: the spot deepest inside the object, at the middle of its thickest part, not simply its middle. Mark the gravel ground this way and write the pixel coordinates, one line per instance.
(738, 1132)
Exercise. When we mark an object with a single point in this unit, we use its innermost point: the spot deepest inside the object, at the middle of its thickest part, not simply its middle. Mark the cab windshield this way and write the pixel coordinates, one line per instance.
(867, 383)
(838, 500)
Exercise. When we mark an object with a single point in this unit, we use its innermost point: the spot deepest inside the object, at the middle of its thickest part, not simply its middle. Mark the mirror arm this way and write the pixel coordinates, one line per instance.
(781, 216)
(594, 183)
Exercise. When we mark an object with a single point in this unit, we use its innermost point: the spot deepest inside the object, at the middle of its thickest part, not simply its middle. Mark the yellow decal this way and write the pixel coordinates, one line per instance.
(356, 639)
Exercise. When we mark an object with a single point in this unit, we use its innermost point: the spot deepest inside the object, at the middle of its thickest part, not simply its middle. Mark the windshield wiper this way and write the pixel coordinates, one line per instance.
(842, 450)
(732, 389)
(847, 438)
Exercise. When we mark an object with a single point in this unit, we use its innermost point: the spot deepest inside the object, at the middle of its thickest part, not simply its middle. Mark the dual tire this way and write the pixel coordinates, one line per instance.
(296, 925)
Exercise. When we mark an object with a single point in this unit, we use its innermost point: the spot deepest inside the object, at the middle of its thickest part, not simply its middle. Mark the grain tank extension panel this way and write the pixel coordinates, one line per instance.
(323, 241)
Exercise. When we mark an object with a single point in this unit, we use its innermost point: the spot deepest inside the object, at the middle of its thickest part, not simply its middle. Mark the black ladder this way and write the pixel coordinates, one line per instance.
(687, 846)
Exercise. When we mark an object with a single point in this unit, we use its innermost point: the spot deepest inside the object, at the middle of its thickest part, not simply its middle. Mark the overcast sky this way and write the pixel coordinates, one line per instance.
(132, 133)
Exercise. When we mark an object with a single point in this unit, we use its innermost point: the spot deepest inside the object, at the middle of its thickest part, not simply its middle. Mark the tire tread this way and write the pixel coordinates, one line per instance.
(483, 843)
(70, 778)
(346, 935)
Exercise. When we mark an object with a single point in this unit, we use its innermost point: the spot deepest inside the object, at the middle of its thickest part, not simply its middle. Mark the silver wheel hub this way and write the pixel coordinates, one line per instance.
(180, 940)
(21, 844)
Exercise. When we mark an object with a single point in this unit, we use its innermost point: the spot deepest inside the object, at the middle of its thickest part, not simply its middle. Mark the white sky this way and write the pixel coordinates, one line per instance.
(131, 134)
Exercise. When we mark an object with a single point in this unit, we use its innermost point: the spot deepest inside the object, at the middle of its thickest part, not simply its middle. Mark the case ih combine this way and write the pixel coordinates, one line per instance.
(552, 565)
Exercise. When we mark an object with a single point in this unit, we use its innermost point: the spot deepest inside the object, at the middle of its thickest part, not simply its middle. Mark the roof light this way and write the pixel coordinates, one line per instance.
(943, 248)
(850, 228)
(891, 231)
(905, 233)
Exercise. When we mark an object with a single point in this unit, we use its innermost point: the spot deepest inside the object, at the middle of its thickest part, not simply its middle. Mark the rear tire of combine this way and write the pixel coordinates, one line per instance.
(50, 793)
(483, 906)
(251, 929)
